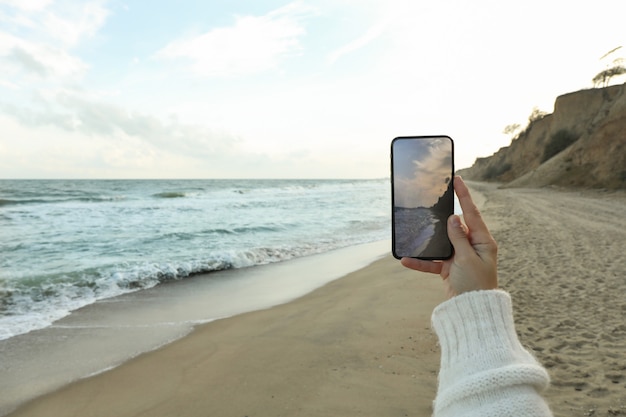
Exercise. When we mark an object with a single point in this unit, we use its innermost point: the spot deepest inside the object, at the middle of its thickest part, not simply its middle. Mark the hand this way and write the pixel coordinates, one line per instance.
(473, 265)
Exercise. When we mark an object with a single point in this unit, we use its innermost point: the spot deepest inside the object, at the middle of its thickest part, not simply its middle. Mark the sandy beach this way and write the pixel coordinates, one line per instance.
(362, 345)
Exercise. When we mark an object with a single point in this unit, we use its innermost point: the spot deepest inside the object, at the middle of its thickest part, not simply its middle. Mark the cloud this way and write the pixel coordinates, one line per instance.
(39, 37)
(28, 62)
(64, 24)
(252, 44)
(73, 112)
(27, 5)
(371, 35)
(39, 59)
(87, 138)
(73, 25)
(421, 172)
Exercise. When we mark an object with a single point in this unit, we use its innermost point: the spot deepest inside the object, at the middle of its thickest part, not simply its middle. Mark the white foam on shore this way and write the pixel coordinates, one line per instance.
(103, 335)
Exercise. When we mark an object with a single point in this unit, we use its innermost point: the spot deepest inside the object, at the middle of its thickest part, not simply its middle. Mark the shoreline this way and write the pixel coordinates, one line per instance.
(101, 336)
(351, 346)
(438, 246)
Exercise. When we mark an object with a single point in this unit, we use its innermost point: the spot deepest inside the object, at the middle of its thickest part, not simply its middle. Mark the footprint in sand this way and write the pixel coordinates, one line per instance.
(598, 392)
(614, 377)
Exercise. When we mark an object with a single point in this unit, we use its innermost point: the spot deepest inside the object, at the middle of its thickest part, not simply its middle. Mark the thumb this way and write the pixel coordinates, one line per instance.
(458, 235)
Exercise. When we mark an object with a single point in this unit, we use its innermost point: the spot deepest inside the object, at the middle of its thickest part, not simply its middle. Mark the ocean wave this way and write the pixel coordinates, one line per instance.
(242, 230)
(85, 199)
(7, 202)
(170, 194)
(146, 233)
(37, 302)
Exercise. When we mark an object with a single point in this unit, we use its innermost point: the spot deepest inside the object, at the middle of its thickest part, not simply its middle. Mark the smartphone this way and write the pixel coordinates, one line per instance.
(422, 196)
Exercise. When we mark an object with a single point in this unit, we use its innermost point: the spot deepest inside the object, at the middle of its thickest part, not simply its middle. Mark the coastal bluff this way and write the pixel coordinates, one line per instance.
(581, 144)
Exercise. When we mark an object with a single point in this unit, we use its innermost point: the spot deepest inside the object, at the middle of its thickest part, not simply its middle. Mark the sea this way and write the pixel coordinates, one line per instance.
(65, 244)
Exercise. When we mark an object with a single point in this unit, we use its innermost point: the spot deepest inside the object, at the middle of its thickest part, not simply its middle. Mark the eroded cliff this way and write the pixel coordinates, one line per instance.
(581, 144)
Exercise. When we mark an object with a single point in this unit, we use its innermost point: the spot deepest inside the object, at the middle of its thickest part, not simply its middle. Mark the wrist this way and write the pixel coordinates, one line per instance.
(476, 331)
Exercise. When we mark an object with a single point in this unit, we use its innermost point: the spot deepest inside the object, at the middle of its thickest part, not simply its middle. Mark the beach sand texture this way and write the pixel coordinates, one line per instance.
(362, 345)
(562, 257)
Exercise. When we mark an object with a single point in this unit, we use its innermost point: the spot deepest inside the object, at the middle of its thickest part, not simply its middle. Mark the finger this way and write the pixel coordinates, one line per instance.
(458, 236)
(421, 265)
(471, 214)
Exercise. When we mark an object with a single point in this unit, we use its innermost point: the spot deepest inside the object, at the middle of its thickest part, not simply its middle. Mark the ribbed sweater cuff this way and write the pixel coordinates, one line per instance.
(476, 333)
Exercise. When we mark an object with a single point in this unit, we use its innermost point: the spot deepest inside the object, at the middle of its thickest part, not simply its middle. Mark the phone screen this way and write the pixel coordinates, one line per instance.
(422, 194)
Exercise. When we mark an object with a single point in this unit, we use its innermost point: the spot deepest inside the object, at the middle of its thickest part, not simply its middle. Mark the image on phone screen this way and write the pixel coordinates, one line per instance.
(422, 192)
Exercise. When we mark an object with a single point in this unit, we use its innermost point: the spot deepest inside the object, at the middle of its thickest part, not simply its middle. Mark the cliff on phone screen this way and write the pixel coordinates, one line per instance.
(439, 245)
(422, 231)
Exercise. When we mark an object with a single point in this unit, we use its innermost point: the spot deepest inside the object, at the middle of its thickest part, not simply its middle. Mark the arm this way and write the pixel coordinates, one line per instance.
(484, 370)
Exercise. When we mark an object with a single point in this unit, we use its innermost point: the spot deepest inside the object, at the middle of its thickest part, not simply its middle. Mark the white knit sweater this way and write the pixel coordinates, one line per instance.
(485, 371)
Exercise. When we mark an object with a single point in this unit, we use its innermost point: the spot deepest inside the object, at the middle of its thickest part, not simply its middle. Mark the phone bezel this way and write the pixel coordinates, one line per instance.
(393, 233)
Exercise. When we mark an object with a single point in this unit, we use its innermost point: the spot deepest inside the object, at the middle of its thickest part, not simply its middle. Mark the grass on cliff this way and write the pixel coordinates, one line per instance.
(496, 170)
(557, 143)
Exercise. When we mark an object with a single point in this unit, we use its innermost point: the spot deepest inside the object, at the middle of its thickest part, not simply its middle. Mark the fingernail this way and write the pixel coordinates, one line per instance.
(455, 221)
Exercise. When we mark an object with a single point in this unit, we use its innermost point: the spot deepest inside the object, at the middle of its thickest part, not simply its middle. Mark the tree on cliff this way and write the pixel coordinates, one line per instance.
(512, 129)
(604, 77)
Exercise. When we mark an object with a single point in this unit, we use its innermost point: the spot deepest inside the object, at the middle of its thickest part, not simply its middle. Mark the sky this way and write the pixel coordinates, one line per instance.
(280, 89)
(422, 169)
